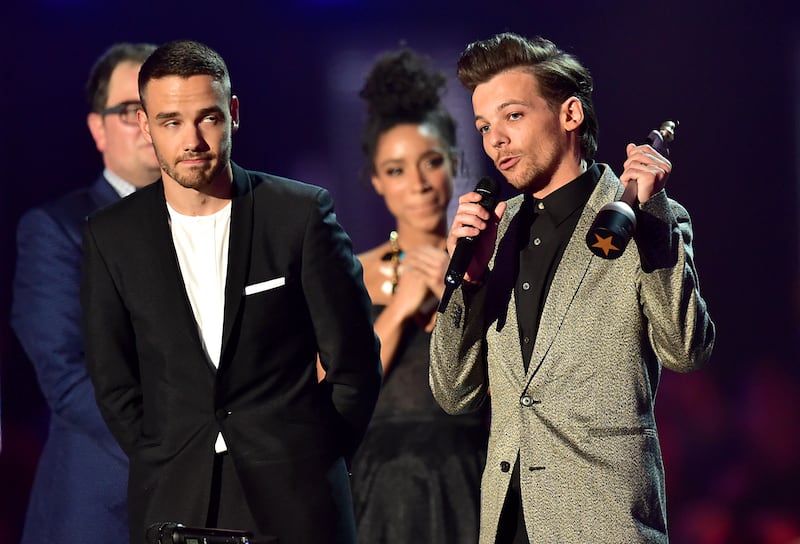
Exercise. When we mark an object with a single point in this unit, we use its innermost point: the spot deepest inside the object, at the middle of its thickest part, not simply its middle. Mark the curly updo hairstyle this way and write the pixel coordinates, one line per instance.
(403, 88)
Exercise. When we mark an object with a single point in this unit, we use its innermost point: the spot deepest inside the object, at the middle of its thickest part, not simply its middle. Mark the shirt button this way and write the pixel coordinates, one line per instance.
(222, 414)
(541, 205)
(526, 340)
(526, 286)
(537, 241)
(505, 466)
(526, 400)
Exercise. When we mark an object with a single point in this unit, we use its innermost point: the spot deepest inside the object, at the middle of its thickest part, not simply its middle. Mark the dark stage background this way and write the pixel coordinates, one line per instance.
(728, 71)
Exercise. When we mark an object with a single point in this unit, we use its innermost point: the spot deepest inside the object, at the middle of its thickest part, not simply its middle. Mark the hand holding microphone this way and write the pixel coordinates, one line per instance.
(615, 223)
(465, 246)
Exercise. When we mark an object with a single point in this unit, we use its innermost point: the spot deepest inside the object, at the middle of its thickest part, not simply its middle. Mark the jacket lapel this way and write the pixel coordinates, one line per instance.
(239, 249)
(102, 193)
(171, 291)
(503, 306)
(570, 272)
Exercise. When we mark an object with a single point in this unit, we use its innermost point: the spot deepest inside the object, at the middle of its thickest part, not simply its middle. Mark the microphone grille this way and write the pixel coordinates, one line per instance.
(489, 189)
(487, 185)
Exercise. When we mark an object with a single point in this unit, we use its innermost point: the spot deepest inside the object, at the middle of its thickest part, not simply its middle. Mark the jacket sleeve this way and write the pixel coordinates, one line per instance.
(110, 346)
(458, 372)
(679, 327)
(339, 305)
(46, 317)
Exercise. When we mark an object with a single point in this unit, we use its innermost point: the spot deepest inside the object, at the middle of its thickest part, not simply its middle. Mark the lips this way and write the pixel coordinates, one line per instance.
(195, 160)
(506, 163)
(424, 207)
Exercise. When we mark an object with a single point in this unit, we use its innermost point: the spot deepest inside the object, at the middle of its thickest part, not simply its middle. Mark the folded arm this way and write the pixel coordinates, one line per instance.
(679, 326)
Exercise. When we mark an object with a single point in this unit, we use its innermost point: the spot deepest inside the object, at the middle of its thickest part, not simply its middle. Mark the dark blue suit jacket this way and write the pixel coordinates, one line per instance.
(79, 493)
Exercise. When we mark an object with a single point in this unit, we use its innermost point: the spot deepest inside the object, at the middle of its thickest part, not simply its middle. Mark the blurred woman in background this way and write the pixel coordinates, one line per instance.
(416, 476)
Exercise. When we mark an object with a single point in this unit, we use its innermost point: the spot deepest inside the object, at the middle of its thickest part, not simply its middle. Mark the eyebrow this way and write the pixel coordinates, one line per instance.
(212, 109)
(505, 105)
(167, 115)
(175, 114)
(423, 156)
(388, 162)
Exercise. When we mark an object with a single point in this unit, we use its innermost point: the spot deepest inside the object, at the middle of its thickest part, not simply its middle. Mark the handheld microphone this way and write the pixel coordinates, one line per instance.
(489, 190)
(615, 223)
(178, 533)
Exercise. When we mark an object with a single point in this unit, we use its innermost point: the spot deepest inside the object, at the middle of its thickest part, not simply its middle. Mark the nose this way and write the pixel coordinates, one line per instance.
(193, 139)
(421, 183)
(497, 138)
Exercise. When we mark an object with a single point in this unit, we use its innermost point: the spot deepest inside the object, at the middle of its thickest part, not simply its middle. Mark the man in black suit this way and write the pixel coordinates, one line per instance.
(207, 298)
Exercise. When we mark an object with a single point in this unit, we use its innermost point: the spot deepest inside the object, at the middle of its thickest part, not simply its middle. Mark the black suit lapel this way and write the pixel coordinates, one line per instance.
(239, 248)
(171, 290)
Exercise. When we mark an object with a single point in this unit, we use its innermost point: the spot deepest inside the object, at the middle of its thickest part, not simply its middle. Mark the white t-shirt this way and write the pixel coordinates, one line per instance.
(201, 243)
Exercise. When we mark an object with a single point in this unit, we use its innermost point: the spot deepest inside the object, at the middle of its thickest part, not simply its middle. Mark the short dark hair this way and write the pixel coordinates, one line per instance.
(559, 74)
(183, 58)
(402, 87)
(100, 74)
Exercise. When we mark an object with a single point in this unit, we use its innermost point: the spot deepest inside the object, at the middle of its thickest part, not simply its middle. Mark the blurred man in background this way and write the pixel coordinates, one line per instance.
(79, 491)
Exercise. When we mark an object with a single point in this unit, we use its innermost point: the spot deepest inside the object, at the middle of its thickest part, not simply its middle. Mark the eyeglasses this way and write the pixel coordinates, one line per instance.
(125, 110)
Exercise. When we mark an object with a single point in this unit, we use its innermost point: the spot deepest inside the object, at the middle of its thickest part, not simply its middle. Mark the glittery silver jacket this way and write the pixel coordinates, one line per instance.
(582, 418)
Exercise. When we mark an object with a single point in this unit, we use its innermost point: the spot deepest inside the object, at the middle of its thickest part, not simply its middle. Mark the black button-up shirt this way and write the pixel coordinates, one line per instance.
(545, 228)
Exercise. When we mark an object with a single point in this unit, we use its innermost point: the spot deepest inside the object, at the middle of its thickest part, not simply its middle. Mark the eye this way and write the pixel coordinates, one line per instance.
(433, 163)
(170, 123)
(394, 171)
(514, 115)
(483, 129)
(213, 118)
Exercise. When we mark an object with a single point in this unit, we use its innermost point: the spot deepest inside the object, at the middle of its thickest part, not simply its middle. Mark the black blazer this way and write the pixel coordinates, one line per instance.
(165, 402)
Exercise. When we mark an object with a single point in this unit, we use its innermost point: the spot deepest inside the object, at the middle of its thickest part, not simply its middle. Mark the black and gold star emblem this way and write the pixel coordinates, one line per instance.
(606, 243)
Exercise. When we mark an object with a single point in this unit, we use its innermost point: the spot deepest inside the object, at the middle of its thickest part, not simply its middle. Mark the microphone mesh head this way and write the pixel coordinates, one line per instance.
(487, 185)
(488, 188)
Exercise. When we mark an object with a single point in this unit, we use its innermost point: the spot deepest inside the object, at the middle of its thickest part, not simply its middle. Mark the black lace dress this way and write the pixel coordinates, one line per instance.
(416, 476)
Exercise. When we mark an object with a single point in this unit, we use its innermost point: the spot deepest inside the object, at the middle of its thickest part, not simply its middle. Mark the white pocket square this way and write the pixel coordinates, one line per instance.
(264, 286)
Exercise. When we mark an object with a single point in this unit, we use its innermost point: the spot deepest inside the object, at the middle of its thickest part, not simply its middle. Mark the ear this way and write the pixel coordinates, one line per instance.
(571, 113)
(95, 123)
(144, 124)
(234, 114)
(377, 185)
